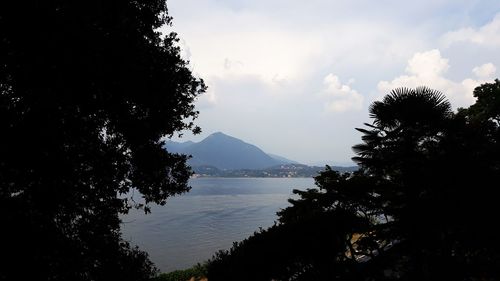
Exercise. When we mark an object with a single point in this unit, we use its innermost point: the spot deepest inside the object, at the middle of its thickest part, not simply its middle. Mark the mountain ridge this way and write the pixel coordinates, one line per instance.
(222, 155)
(225, 152)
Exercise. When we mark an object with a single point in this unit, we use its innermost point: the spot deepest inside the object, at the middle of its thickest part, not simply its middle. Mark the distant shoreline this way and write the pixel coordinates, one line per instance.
(280, 171)
(242, 177)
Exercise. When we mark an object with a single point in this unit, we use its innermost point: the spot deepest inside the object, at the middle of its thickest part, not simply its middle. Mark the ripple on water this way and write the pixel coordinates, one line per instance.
(215, 213)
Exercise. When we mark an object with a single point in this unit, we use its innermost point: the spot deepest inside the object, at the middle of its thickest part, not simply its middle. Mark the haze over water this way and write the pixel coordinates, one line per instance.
(217, 212)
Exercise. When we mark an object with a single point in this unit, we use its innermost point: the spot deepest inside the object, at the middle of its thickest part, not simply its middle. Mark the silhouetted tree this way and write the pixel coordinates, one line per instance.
(316, 239)
(87, 90)
(401, 150)
(422, 206)
(434, 174)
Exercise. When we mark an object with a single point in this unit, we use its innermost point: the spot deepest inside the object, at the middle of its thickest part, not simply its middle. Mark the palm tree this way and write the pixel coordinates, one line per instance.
(401, 151)
(407, 122)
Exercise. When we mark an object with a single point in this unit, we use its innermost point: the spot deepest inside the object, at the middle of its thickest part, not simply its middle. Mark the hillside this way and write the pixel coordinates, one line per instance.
(221, 155)
(225, 153)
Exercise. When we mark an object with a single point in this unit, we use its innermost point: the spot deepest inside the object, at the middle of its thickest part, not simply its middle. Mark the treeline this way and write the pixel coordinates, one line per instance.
(423, 206)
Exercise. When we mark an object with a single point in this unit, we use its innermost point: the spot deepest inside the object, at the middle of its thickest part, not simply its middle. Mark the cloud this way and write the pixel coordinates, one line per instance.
(272, 44)
(341, 97)
(424, 68)
(487, 35)
(185, 50)
(252, 44)
(428, 69)
(208, 99)
(427, 64)
(486, 70)
(265, 63)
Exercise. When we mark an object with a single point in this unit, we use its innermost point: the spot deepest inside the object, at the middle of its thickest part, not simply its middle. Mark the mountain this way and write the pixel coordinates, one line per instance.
(177, 147)
(283, 160)
(224, 152)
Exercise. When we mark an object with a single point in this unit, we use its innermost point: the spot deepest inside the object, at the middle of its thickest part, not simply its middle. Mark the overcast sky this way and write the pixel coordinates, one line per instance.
(296, 77)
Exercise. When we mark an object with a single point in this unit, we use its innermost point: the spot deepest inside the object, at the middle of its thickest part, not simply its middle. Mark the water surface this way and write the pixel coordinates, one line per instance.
(217, 212)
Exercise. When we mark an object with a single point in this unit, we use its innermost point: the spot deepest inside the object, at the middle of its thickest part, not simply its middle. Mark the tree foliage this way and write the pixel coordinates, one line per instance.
(195, 273)
(422, 206)
(87, 91)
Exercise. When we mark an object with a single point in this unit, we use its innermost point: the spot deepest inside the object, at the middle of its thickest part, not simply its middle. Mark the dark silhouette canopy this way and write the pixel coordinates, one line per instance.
(87, 91)
(421, 207)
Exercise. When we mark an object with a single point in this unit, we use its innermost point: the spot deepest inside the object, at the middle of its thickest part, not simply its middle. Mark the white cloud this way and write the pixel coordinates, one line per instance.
(277, 47)
(427, 64)
(341, 97)
(251, 44)
(185, 51)
(428, 69)
(487, 35)
(208, 99)
(265, 63)
(424, 68)
(486, 70)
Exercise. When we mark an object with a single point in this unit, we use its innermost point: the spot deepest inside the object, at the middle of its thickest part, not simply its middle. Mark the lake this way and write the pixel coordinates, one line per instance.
(191, 227)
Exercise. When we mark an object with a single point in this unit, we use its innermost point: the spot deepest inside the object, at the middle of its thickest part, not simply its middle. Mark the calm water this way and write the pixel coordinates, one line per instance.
(218, 211)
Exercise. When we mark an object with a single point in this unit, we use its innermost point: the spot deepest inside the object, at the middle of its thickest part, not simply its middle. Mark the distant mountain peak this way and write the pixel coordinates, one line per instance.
(225, 152)
(217, 134)
(221, 135)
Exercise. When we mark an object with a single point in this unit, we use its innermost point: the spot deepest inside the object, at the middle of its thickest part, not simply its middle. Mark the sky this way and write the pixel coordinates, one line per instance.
(296, 77)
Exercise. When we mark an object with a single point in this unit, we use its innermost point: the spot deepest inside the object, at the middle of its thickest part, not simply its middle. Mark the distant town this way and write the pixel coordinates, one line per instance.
(279, 171)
